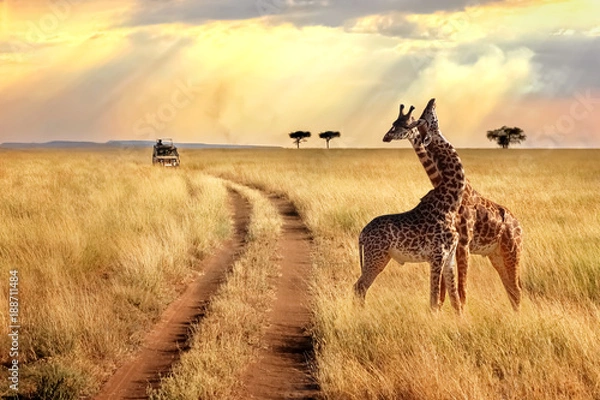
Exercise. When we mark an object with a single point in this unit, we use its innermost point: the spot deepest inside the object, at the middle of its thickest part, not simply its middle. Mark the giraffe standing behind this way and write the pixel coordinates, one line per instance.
(425, 233)
(485, 228)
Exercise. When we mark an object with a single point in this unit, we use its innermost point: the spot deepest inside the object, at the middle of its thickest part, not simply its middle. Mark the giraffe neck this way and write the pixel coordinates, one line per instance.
(448, 177)
(426, 161)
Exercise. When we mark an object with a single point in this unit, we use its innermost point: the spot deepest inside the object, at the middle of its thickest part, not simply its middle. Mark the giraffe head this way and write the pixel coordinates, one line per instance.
(427, 125)
(429, 116)
(404, 126)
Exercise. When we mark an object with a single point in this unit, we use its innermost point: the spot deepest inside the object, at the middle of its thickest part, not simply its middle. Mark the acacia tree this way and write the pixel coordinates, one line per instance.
(506, 136)
(299, 136)
(328, 135)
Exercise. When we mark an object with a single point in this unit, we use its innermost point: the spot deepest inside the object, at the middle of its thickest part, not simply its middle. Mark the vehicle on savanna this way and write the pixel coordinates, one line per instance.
(165, 153)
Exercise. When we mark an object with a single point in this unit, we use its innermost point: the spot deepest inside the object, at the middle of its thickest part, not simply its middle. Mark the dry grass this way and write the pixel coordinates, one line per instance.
(393, 347)
(228, 339)
(102, 243)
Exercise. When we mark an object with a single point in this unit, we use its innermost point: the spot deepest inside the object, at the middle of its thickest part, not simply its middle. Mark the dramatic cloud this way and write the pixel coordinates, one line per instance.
(332, 13)
(251, 71)
(566, 64)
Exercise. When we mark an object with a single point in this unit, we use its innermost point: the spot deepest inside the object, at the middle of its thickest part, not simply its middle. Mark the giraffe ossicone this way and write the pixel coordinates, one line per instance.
(406, 127)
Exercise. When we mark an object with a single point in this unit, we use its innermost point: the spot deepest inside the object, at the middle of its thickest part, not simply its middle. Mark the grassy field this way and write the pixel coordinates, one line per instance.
(103, 243)
(393, 347)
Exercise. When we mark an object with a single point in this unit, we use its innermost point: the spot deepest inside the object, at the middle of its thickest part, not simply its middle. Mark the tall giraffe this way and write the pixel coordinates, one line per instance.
(485, 227)
(425, 233)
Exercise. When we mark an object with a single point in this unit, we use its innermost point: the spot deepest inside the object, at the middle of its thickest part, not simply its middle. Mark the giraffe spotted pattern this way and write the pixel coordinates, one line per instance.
(426, 233)
(485, 227)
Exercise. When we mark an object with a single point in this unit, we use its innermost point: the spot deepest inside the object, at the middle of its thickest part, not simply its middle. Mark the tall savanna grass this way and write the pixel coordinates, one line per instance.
(394, 347)
(102, 242)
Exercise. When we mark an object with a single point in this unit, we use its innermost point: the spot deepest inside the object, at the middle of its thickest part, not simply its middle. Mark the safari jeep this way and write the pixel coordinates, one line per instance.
(165, 153)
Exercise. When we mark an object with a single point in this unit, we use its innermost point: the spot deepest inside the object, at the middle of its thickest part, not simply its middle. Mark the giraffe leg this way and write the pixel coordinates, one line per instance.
(444, 264)
(442, 291)
(506, 259)
(372, 261)
(508, 274)
(511, 250)
(462, 266)
(465, 231)
(435, 283)
(449, 270)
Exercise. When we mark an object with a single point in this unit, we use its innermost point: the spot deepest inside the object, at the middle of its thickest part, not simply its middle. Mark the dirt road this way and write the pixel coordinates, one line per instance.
(162, 346)
(283, 369)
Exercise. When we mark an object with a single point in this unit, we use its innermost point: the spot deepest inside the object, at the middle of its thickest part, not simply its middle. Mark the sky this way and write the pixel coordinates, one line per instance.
(252, 71)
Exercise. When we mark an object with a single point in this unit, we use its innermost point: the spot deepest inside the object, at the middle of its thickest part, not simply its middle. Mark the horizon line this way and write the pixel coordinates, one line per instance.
(57, 144)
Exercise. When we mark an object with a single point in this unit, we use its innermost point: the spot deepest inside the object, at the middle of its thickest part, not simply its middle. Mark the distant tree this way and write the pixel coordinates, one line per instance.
(329, 135)
(299, 136)
(506, 136)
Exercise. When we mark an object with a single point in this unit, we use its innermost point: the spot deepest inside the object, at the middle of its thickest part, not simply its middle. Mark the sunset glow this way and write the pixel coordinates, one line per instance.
(249, 72)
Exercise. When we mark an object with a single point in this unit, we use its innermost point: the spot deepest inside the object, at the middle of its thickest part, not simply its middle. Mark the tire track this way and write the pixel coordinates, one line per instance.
(163, 345)
(283, 370)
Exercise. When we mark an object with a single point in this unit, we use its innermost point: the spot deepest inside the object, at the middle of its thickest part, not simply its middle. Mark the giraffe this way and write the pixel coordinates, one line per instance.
(485, 227)
(425, 233)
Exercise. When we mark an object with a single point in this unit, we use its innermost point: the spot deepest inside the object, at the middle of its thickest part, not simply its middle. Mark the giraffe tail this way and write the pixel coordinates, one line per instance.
(357, 286)
(361, 255)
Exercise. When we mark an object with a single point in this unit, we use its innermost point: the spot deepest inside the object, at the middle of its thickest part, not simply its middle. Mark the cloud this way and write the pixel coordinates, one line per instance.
(332, 13)
(190, 12)
(468, 92)
(215, 72)
(391, 24)
(565, 65)
(68, 104)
